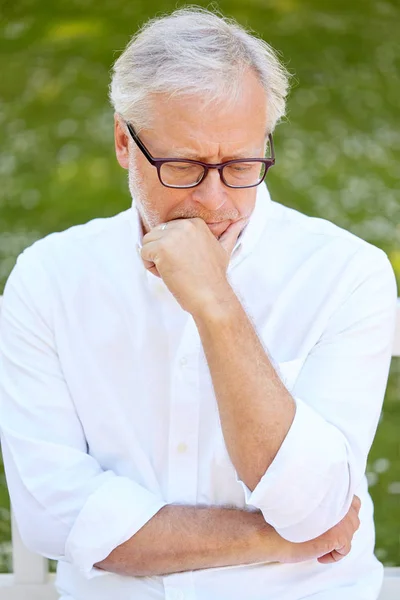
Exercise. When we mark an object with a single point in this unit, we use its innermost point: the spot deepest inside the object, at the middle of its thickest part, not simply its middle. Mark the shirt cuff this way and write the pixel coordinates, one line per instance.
(111, 515)
(305, 490)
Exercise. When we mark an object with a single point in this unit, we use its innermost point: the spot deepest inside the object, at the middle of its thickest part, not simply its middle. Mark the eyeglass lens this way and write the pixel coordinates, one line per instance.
(240, 174)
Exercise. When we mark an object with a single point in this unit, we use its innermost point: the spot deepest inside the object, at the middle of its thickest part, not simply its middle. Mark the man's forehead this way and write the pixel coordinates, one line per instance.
(197, 148)
(190, 126)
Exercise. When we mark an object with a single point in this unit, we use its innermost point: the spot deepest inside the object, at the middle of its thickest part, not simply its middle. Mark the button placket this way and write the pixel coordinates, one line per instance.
(184, 419)
(183, 361)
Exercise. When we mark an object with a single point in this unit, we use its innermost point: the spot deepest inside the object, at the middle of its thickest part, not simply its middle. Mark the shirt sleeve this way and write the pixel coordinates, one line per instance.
(309, 486)
(66, 506)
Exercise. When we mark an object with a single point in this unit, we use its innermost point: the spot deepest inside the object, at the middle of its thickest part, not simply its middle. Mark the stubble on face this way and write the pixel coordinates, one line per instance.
(151, 217)
(148, 213)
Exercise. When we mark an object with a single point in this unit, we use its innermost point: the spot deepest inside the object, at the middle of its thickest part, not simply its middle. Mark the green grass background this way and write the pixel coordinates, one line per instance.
(337, 152)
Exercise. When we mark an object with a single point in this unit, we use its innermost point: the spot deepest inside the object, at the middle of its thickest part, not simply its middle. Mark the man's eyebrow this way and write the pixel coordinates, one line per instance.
(192, 154)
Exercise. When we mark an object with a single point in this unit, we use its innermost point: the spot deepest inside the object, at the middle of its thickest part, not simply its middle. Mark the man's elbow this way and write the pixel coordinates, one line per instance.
(42, 535)
(322, 519)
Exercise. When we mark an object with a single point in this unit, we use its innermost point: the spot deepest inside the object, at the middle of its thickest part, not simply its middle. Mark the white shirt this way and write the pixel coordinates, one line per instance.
(108, 411)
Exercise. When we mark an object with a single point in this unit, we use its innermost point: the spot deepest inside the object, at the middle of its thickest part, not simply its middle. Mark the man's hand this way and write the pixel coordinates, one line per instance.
(329, 547)
(191, 261)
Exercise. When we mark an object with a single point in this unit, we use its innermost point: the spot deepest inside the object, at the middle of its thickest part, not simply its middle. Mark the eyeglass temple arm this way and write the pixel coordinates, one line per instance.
(271, 143)
(136, 139)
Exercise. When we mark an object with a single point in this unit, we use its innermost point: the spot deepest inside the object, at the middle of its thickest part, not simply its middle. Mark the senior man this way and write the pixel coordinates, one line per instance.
(190, 388)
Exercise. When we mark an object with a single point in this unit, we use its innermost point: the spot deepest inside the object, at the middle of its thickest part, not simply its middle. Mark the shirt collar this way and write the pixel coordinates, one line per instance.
(254, 229)
(247, 240)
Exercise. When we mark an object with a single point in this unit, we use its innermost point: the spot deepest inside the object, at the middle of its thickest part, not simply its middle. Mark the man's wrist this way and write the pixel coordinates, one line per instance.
(219, 308)
(267, 542)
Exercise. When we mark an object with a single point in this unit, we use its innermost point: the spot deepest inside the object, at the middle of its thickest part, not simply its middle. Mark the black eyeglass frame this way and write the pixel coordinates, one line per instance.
(158, 163)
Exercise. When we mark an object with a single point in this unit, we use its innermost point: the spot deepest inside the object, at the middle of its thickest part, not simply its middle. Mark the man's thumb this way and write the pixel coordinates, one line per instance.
(230, 235)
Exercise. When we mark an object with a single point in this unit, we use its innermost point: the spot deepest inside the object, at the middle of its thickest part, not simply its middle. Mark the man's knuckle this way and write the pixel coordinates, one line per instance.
(326, 544)
(345, 550)
(342, 540)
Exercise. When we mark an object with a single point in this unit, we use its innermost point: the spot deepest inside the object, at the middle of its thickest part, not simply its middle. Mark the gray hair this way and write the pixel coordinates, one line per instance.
(194, 51)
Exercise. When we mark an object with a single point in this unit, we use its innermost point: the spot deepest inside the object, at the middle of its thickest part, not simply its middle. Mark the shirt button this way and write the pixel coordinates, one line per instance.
(182, 447)
(183, 361)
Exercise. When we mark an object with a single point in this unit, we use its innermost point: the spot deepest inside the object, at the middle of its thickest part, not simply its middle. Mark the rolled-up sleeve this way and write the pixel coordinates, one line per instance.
(66, 506)
(309, 486)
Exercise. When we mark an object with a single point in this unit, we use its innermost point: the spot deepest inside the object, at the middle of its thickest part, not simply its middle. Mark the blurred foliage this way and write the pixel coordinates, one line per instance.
(337, 152)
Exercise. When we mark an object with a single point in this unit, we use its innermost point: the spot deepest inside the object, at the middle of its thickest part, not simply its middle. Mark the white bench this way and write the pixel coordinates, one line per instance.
(31, 579)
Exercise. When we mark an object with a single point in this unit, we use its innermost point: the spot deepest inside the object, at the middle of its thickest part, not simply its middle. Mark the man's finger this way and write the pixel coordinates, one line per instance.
(229, 237)
(332, 557)
(149, 252)
(152, 268)
(144, 254)
(335, 555)
(344, 550)
(156, 233)
(356, 503)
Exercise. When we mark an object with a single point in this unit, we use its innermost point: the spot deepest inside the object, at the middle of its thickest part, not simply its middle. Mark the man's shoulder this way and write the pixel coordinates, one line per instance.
(98, 233)
(302, 230)
(72, 259)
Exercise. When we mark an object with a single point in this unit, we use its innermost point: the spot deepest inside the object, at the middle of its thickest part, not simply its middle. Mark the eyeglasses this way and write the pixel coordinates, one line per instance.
(186, 173)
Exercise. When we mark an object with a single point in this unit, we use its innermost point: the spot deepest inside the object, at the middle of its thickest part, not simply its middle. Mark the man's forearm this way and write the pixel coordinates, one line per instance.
(186, 538)
(255, 408)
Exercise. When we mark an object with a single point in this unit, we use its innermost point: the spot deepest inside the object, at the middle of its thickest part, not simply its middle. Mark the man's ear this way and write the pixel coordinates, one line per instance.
(121, 142)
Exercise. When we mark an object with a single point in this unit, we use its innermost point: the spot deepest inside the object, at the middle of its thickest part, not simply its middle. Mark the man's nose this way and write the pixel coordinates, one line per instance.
(212, 192)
